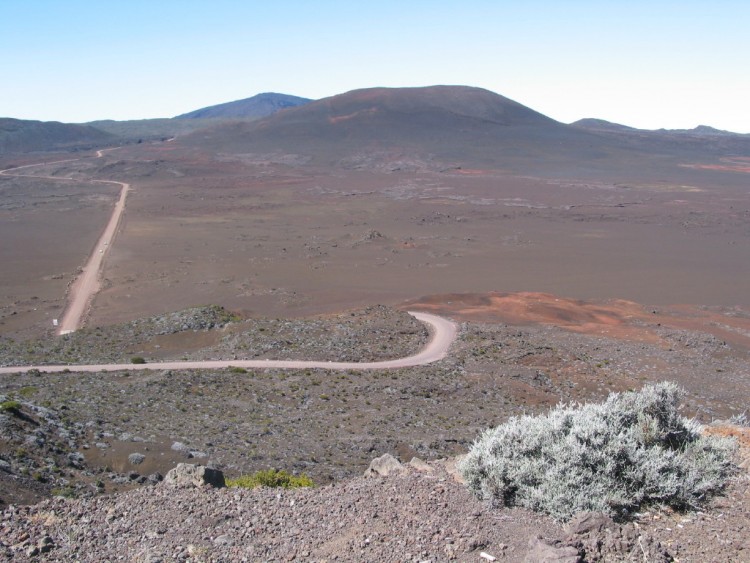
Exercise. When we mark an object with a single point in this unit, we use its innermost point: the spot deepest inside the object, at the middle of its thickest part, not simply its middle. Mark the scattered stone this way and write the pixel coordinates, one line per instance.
(544, 551)
(420, 465)
(136, 458)
(182, 448)
(45, 544)
(223, 539)
(119, 479)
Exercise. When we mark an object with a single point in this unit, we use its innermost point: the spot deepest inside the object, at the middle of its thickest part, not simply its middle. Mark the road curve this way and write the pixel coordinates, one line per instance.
(442, 334)
(443, 331)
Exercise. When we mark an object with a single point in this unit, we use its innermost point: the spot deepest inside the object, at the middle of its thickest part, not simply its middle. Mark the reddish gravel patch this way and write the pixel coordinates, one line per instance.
(617, 318)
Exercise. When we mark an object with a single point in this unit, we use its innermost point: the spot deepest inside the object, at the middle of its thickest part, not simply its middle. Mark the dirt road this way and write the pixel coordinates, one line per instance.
(86, 285)
(443, 333)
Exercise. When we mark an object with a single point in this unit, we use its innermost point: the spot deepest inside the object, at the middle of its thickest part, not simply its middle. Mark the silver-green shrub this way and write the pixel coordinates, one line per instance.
(613, 457)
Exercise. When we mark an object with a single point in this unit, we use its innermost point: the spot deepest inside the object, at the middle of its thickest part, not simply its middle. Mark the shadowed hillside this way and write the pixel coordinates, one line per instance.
(18, 135)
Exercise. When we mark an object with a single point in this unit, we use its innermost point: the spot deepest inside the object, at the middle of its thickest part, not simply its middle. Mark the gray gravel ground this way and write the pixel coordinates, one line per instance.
(412, 516)
(330, 424)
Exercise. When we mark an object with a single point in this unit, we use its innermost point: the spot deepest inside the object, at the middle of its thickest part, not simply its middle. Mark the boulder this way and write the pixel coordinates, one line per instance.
(383, 466)
(182, 448)
(76, 459)
(136, 458)
(187, 475)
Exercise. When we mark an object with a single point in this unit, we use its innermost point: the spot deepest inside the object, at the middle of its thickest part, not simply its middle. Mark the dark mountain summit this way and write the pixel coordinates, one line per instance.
(258, 106)
(435, 101)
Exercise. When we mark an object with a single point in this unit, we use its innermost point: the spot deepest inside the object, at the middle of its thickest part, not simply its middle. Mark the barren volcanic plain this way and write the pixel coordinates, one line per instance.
(579, 261)
(283, 234)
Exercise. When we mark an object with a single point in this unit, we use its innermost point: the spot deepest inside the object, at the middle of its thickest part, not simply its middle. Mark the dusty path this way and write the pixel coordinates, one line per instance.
(443, 333)
(86, 285)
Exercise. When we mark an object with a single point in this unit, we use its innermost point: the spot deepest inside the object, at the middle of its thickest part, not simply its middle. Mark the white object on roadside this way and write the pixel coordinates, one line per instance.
(487, 556)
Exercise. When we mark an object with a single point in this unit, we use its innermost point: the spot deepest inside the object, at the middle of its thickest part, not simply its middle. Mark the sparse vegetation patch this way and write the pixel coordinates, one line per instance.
(632, 450)
(271, 478)
(10, 406)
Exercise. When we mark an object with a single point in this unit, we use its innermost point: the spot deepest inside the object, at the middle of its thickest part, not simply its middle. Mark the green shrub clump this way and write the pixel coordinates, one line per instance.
(271, 478)
(137, 360)
(65, 492)
(10, 406)
(632, 450)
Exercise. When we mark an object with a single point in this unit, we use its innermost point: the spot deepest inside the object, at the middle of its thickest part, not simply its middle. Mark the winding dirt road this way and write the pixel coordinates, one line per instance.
(443, 333)
(86, 285)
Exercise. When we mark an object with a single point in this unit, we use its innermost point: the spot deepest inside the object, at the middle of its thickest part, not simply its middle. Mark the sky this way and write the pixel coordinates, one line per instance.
(644, 63)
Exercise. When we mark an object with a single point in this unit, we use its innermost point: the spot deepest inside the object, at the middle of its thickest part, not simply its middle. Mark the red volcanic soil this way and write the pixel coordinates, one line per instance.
(734, 164)
(617, 318)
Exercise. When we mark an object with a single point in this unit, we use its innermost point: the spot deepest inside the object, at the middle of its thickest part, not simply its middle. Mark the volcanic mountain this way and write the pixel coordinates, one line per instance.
(18, 135)
(256, 107)
(449, 126)
(389, 118)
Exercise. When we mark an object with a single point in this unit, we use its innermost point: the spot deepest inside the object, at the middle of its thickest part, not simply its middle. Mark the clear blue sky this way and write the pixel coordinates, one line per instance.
(644, 63)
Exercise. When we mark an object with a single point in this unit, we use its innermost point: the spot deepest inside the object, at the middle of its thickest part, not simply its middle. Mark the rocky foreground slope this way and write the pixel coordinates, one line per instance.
(75, 434)
(418, 512)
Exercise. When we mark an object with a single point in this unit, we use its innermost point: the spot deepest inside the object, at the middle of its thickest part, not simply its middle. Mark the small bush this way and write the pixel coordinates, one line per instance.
(27, 391)
(632, 450)
(271, 478)
(137, 360)
(65, 492)
(10, 406)
(236, 369)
